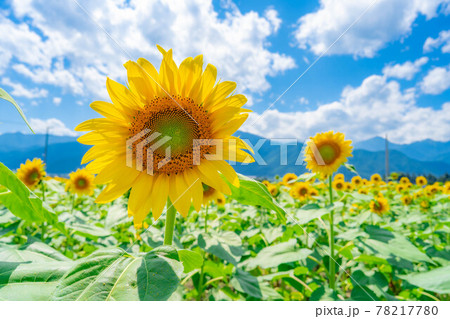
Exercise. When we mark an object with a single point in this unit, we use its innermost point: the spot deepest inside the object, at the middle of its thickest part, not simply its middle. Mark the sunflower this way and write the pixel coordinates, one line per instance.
(379, 205)
(446, 189)
(357, 181)
(404, 180)
(349, 187)
(400, 188)
(425, 204)
(363, 191)
(339, 176)
(421, 181)
(32, 172)
(326, 152)
(266, 182)
(375, 178)
(406, 200)
(288, 178)
(313, 192)
(300, 191)
(176, 108)
(273, 189)
(81, 182)
(394, 176)
(338, 185)
(211, 194)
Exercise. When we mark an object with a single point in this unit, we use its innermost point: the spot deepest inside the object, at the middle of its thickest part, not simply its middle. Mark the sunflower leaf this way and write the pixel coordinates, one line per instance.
(5, 96)
(251, 192)
(351, 168)
(21, 201)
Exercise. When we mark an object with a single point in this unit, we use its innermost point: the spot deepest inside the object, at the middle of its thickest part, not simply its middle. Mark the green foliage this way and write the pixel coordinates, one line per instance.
(5, 96)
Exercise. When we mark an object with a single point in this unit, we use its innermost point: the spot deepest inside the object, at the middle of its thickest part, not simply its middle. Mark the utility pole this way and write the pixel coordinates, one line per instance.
(386, 158)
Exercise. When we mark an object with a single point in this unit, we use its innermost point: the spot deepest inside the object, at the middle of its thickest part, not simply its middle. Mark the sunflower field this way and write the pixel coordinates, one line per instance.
(266, 241)
(182, 225)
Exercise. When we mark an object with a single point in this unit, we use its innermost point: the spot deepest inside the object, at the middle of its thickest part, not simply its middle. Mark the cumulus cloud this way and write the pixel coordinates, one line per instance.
(386, 21)
(75, 54)
(55, 127)
(406, 70)
(378, 106)
(57, 100)
(18, 90)
(443, 40)
(436, 81)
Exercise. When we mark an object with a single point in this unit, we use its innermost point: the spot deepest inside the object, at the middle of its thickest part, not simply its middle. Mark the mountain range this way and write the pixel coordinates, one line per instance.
(64, 155)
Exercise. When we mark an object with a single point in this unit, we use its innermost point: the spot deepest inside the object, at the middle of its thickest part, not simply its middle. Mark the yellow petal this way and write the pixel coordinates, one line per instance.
(209, 79)
(232, 126)
(211, 177)
(140, 202)
(122, 97)
(195, 187)
(139, 81)
(152, 74)
(227, 171)
(159, 195)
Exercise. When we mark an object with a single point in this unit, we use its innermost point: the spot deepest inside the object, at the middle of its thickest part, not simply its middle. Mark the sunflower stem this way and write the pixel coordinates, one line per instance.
(332, 263)
(170, 223)
(43, 191)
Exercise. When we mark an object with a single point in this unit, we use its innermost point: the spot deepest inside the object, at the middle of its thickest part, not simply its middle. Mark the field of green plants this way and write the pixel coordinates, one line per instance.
(257, 245)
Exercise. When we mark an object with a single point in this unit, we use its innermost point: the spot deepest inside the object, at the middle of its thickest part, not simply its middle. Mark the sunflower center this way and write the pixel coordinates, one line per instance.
(178, 122)
(329, 153)
(34, 175)
(81, 183)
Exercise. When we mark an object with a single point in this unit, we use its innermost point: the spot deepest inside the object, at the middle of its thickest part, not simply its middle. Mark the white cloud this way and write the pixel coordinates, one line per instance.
(406, 70)
(443, 40)
(436, 81)
(77, 55)
(55, 126)
(386, 21)
(378, 106)
(303, 101)
(18, 90)
(57, 100)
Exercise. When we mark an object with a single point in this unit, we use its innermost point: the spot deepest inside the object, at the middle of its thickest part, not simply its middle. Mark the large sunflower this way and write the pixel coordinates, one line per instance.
(326, 152)
(81, 182)
(32, 172)
(181, 103)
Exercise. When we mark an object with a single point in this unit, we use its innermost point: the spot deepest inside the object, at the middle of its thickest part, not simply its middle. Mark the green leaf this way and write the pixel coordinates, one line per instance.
(436, 280)
(112, 274)
(389, 245)
(227, 245)
(191, 260)
(89, 231)
(251, 192)
(21, 201)
(35, 252)
(273, 256)
(351, 168)
(5, 96)
(244, 282)
(30, 281)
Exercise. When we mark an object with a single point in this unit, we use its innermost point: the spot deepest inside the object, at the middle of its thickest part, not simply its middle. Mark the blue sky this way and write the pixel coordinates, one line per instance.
(389, 74)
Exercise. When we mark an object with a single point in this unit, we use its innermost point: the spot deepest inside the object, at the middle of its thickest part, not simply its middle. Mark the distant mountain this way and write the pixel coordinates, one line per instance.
(426, 150)
(20, 141)
(425, 157)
